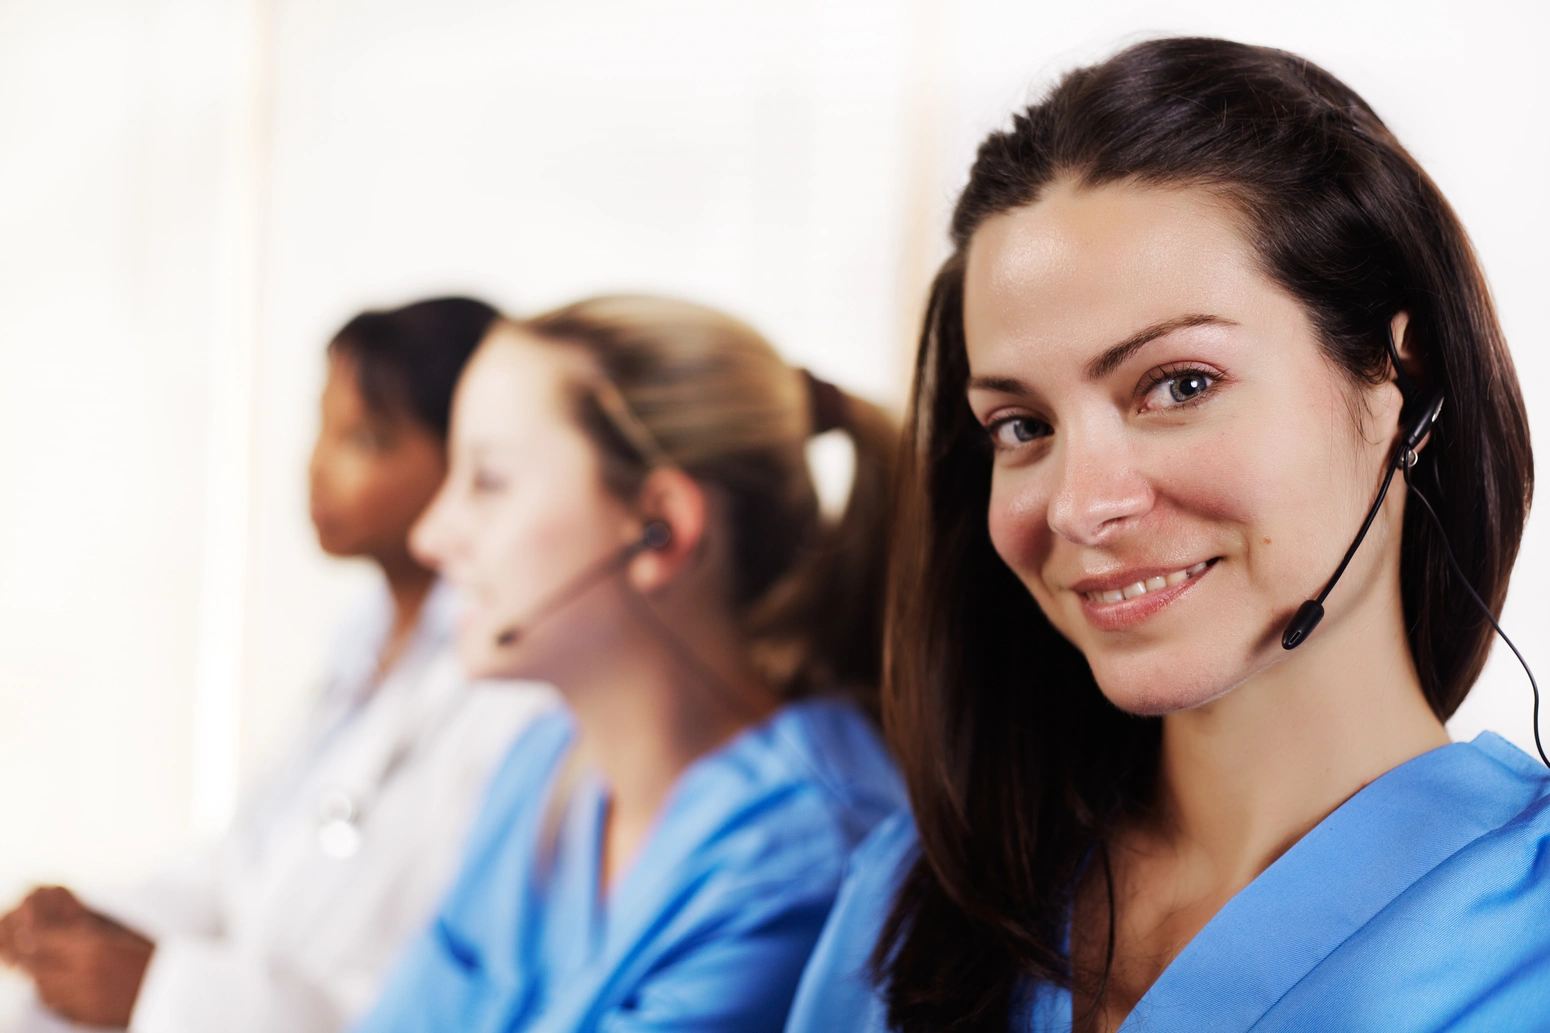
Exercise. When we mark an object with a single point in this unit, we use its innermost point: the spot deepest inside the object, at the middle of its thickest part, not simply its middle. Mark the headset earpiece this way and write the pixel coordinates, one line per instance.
(1419, 427)
(1420, 424)
(657, 536)
(1311, 612)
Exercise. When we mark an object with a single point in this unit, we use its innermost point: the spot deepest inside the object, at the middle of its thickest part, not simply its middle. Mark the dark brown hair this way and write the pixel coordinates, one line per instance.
(407, 360)
(689, 386)
(1018, 768)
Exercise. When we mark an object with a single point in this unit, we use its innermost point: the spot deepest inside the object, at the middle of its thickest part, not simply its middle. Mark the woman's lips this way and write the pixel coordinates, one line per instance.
(471, 618)
(1124, 602)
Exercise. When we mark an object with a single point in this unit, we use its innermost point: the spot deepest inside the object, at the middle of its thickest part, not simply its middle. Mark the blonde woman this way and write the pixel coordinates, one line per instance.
(630, 516)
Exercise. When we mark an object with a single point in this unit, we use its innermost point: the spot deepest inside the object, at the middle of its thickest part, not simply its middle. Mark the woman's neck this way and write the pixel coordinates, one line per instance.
(643, 715)
(1242, 779)
(409, 584)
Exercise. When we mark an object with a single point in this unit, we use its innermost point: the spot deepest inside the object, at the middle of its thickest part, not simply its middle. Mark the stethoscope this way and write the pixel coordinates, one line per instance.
(342, 814)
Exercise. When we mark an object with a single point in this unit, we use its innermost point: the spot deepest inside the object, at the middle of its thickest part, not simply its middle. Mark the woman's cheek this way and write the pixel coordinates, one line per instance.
(1217, 477)
(1017, 526)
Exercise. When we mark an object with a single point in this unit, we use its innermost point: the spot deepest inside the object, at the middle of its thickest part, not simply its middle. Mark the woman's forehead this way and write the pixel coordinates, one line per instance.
(1086, 267)
(514, 386)
(524, 370)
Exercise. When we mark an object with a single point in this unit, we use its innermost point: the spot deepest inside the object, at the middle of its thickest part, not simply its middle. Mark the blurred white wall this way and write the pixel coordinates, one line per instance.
(195, 193)
(122, 249)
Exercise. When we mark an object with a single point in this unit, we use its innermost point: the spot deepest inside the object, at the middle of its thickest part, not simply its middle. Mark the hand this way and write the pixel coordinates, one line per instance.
(45, 905)
(91, 972)
(8, 924)
(87, 967)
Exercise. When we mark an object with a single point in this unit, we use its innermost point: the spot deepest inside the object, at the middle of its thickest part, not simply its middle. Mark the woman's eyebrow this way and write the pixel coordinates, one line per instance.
(484, 448)
(1004, 385)
(1111, 360)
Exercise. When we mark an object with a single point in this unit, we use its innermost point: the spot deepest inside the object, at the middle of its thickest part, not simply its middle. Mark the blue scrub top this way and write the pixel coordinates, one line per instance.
(709, 928)
(1421, 904)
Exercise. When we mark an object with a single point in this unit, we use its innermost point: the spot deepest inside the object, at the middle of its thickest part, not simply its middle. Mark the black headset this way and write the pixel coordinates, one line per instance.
(1419, 425)
(656, 536)
(1311, 612)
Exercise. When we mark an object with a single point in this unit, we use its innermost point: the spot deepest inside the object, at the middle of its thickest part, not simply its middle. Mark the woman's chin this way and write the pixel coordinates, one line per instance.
(1143, 693)
(481, 656)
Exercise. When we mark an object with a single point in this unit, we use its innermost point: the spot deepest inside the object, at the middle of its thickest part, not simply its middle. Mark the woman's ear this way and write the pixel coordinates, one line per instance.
(1411, 376)
(670, 497)
(1386, 399)
(1413, 370)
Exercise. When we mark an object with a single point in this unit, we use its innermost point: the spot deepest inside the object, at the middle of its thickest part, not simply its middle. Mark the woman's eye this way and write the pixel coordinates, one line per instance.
(484, 481)
(368, 441)
(1180, 388)
(1017, 430)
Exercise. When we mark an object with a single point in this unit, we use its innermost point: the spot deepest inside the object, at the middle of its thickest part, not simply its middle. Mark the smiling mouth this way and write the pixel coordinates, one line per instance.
(1151, 584)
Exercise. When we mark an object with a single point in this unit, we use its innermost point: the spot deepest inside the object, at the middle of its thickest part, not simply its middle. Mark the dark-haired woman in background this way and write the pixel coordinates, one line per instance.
(1154, 402)
(630, 515)
(289, 923)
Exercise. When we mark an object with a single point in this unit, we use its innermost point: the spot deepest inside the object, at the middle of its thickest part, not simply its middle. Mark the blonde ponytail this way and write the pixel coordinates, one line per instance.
(821, 624)
(690, 386)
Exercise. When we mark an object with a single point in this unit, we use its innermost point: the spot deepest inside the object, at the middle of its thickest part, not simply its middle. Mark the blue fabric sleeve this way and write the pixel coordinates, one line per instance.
(431, 990)
(439, 982)
(836, 992)
(736, 978)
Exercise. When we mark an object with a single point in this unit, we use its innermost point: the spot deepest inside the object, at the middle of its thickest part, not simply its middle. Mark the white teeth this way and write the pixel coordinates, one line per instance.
(1151, 584)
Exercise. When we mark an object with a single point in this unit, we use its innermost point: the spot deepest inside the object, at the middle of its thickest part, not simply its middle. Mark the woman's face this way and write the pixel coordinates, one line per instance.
(523, 513)
(1177, 464)
(371, 473)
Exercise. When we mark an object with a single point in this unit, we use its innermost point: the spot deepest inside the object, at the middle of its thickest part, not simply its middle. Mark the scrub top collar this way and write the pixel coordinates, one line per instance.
(1330, 884)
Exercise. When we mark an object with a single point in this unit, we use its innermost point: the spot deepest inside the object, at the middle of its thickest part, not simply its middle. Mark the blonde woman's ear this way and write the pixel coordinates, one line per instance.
(676, 500)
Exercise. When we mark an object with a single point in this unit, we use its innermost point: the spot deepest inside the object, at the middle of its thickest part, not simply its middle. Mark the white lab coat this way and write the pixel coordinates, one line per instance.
(265, 933)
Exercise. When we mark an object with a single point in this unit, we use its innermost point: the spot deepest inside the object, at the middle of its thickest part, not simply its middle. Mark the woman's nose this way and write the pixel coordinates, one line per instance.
(429, 538)
(1098, 491)
(316, 463)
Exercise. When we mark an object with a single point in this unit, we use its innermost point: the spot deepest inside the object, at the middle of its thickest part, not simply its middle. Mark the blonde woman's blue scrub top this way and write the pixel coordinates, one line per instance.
(1421, 904)
(709, 928)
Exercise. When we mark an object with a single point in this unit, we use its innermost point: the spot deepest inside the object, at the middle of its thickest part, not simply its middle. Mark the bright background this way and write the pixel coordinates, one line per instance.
(195, 193)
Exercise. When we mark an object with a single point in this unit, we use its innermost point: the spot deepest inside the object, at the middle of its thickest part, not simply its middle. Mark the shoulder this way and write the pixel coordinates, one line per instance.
(1509, 794)
(487, 897)
(1506, 869)
(1520, 768)
(872, 880)
(810, 783)
(837, 991)
(531, 758)
(832, 750)
(1467, 944)
(757, 834)
(878, 865)
(517, 788)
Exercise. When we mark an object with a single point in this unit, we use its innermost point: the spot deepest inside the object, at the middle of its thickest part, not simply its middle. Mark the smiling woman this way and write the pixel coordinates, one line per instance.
(1143, 459)
(1154, 400)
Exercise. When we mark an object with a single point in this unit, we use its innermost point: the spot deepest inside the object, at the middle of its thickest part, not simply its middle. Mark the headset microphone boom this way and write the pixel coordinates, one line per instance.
(1311, 612)
(657, 536)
